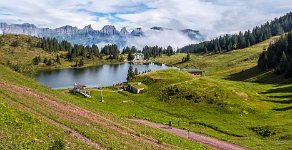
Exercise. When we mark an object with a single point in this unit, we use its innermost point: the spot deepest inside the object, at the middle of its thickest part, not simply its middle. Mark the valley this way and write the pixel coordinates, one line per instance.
(149, 88)
(225, 104)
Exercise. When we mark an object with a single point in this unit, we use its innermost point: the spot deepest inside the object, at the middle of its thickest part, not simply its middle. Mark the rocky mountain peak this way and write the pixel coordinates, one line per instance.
(157, 28)
(108, 34)
(109, 30)
(87, 28)
(137, 32)
(27, 25)
(66, 29)
(124, 31)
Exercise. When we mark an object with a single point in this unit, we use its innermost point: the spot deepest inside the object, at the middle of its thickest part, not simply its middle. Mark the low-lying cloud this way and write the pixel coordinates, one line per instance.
(164, 38)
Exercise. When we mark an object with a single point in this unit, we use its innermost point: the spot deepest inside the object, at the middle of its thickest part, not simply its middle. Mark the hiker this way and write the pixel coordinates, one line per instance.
(170, 124)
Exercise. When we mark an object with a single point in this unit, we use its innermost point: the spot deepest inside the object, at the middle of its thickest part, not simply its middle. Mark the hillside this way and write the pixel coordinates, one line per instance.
(244, 39)
(239, 85)
(36, 117)
(225, 64)
(235, 102)
(18, 52)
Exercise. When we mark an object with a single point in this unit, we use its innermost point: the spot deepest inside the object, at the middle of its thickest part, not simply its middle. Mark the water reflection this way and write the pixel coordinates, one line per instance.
(105, 75)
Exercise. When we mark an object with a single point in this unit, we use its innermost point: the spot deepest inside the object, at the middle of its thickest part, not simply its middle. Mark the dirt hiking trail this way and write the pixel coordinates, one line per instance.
(212, 142)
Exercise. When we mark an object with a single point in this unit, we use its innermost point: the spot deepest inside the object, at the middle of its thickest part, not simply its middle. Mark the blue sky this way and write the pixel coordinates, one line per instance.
(212, 17)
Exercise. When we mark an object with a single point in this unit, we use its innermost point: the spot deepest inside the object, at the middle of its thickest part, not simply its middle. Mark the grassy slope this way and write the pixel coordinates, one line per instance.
(20, 128)
(26, 51)
(268, 95)
(234, 102)
(226, 104)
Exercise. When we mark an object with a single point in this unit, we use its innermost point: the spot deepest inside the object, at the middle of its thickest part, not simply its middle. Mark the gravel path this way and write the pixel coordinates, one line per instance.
(212, 142)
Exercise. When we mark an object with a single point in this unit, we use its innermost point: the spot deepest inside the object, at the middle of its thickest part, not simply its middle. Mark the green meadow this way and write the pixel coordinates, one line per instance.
(234, 102)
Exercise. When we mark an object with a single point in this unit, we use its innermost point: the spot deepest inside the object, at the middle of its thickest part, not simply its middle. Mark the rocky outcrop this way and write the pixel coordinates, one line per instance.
(137, 32)
(124, 32)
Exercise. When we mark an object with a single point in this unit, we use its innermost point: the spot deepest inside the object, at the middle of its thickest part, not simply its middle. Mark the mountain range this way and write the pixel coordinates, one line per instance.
(88, 36)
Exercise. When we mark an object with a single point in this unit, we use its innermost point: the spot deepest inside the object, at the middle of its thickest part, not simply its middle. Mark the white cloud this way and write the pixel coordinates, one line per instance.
(160, 38)
(212, 17)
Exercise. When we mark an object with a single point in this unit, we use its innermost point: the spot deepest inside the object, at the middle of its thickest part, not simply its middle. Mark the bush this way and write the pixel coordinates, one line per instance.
(263, 131)
(25, 69)
(15, 43)
(58, 144)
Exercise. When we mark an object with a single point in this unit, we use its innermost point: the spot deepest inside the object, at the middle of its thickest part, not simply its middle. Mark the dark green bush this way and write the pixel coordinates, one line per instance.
(263, 131)
(57, 144)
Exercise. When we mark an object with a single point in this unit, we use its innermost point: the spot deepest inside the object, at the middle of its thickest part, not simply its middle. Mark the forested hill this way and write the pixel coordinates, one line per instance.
(244, 39)
(278, 56)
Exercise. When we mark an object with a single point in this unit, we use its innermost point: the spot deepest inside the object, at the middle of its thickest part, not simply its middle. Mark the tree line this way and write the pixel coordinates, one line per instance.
(76, 50)
(278, 56)
(148, 51)
(245, 39)
(156, 51)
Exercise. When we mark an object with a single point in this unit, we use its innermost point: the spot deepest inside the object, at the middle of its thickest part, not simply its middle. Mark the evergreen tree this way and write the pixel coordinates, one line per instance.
(283, 64)
(278, 56)
(188, 57)
(244, 39)
(36, 60)
(131, 74)
(130, 57)
(58, 60)
(45, 60)
(136, 71)
(288, 72)
(205, 49)
(81, 63)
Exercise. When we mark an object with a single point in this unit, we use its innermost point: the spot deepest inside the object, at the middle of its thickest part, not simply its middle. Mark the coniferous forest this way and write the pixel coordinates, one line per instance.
(243, 39)
(278, 56)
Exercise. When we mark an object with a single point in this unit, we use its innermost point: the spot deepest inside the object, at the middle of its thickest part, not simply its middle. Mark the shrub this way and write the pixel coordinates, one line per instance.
(58, 144)
(264, 131)
(15, 43)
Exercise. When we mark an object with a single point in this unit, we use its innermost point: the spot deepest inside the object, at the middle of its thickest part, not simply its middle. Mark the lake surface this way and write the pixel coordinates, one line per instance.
(105, 75)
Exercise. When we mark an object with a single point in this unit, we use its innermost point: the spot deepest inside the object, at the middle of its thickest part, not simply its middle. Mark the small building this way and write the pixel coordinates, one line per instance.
(195, 72)
(136, 87)
(138, 56)
(81, 89)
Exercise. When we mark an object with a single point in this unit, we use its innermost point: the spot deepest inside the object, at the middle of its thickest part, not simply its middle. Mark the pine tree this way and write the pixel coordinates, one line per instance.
(36, 60)
(248, 43)
(283, 63)
(136, 71)
(188, 57)
(263, 61)
(131, 74)
(288, 72)
(58, 60)
(205, 49)
(130, 57)
(81, 63)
